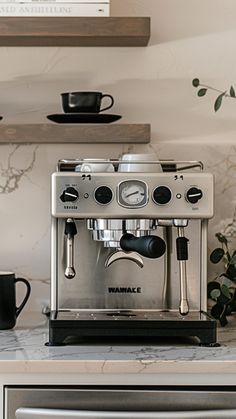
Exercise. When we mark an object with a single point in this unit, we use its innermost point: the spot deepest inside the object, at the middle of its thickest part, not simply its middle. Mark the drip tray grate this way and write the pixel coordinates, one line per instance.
(132, 315)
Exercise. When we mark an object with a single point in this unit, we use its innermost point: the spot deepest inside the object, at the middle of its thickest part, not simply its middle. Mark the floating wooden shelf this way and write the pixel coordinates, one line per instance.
(74, 31)
(77, 134)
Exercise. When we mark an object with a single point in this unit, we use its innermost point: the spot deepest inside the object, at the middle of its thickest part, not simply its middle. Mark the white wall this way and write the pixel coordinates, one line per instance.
(190, 38)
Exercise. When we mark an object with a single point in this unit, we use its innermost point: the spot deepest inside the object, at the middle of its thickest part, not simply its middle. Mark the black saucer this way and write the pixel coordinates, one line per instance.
(83, 118)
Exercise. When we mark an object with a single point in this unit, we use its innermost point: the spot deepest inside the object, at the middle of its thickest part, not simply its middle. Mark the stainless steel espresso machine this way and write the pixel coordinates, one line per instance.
(129, 250)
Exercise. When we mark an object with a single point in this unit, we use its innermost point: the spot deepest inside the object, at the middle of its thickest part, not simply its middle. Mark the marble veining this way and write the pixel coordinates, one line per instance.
(10, 174)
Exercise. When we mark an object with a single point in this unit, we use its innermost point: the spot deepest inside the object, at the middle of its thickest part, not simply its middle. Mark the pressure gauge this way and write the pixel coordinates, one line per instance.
(132, 194)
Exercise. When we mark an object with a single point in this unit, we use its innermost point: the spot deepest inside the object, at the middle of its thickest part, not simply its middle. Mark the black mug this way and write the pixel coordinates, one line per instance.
(84, 102)
(8, 309)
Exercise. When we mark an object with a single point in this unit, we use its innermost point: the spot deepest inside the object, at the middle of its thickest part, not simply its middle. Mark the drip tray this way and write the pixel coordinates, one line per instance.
(133, 315)
(83, 324)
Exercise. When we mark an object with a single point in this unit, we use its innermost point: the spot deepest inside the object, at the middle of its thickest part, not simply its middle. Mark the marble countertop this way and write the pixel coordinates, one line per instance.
(23, 350)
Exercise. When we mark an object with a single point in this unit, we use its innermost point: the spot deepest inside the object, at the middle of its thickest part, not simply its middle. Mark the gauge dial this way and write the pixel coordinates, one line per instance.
(133, 194)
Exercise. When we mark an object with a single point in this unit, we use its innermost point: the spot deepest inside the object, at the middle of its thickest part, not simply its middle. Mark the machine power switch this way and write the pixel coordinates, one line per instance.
(70, 194)
(194, 195)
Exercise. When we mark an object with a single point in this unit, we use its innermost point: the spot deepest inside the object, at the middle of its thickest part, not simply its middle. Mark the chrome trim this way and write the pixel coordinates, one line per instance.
(144, 401)
(203, 264)
(189, 164)
(54, 285)
(119, 255)
(118, 224)
(183, 305)
(32, 413)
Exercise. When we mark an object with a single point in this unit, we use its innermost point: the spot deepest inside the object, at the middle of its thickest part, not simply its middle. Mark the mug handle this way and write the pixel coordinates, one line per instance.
(28, 290)
(112, 102)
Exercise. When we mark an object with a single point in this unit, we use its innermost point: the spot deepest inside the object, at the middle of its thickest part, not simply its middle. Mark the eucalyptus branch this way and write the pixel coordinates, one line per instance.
(216, 90)
(203, 89)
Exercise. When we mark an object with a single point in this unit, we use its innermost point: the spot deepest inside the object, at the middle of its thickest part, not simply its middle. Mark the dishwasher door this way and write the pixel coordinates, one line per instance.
(158, 402)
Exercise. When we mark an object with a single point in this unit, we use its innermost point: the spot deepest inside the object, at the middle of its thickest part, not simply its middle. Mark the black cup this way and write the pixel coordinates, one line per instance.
(84, 102)
(8, 310)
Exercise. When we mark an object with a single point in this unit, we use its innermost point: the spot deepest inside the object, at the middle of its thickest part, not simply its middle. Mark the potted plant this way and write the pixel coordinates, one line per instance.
(222, 290)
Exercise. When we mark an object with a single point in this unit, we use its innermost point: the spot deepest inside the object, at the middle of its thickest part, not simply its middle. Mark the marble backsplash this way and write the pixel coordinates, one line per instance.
(25, 201)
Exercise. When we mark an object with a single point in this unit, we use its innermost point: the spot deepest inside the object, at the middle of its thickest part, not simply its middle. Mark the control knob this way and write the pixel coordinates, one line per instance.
(194, 195)
(162, 195)
(103, 195)
(70, 194)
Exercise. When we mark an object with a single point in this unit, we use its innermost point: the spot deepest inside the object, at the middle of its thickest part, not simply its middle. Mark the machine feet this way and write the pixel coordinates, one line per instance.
(210, 345)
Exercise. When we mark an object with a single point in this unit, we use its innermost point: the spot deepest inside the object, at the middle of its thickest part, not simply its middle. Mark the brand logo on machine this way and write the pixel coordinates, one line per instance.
(125, 290)
(67, 207)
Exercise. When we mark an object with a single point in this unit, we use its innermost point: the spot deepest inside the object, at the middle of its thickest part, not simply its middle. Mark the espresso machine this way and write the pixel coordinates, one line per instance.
(129, 250)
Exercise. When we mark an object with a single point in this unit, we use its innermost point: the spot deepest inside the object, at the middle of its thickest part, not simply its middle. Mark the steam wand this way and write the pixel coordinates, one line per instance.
(182, 256)
(70, 232)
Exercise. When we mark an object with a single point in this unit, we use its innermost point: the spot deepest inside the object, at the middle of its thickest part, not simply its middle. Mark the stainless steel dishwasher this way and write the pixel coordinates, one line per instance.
(119, 402)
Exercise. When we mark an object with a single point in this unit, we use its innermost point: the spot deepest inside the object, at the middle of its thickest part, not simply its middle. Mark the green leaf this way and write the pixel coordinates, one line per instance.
(226, 281)
(231, 272)
(217, 255)
(217, 311)
(232, 91)
(222, 238)
(228, 310)
(232, 306)
(195, 82)
(218, 101)
(223, 320)
(212, 286)
(233, 259)
(202, 92)
(215, 294)
(222, 299)
(228, 257)
(225, 291)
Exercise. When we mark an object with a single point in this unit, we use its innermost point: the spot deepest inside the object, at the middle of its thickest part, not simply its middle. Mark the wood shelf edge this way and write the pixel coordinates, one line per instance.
(75, 134)
(74, 31)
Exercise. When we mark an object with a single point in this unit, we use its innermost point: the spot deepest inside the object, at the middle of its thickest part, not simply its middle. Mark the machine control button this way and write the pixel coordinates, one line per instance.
(178, 196)
(103, 195)
(162, 195)
(194, 195)
(70, 194)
